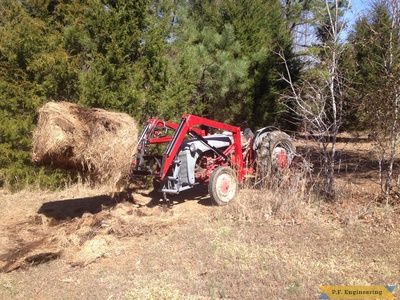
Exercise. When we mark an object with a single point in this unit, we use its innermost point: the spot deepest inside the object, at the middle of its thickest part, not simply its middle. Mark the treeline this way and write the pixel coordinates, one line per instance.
(217, 59)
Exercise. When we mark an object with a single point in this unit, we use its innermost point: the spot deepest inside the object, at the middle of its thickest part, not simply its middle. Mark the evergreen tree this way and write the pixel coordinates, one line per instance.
(72, 51)
(234, 45)
(148, 58)
(376, 48)
(113, 32)
(32, 69)
(167, 86)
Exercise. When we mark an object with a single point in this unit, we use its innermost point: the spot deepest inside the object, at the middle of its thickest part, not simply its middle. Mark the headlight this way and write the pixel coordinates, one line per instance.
(193, 148)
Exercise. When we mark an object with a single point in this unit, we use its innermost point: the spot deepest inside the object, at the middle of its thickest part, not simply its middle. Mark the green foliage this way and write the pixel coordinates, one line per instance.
(147, 58)
(376, 49)
(19, 93)
(110, 40)
(221, 76)
(233, 45)
(376, 73)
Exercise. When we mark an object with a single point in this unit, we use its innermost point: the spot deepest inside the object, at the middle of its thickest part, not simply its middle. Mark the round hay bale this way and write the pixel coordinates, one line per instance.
(54, 137)
(96, 142)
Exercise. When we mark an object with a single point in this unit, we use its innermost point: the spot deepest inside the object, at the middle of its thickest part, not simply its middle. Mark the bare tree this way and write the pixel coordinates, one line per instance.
(317, 98)
(393, 66)
(388, 136)
(376, 46)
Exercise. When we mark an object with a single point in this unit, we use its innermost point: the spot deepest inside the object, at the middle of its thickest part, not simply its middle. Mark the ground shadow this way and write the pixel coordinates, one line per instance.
(73, 208)
(354, 164)
(346, 161)
(198, 193)
(339, 139)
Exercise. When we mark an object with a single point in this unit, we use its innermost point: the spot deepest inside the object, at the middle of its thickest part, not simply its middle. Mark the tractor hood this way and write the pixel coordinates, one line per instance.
(218, 141)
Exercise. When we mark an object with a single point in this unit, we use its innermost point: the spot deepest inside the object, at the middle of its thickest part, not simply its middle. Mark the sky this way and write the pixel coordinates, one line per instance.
(357, 7)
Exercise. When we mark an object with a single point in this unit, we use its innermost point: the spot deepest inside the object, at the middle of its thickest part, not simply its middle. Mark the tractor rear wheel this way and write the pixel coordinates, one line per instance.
(223, 185)
(274, 154)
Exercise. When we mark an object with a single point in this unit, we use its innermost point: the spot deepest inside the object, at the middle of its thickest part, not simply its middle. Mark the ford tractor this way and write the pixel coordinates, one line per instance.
(202, 151)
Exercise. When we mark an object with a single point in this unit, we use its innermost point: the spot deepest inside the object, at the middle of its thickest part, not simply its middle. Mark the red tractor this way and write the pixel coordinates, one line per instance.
(180, 156)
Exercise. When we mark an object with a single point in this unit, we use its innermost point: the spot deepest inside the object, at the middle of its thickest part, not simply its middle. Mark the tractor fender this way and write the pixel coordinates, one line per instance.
(260, 134)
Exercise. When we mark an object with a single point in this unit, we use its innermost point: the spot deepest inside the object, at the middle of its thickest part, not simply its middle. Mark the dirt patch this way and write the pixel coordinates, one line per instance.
(28, 254)
(81, 230)
(81, 234)
(128, 250)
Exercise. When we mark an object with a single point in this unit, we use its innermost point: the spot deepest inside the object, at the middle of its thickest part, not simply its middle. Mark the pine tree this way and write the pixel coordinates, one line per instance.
(233, 45)
(31, 67)
(148, 58)
(111, 37)
(376, 48)
(71, 51)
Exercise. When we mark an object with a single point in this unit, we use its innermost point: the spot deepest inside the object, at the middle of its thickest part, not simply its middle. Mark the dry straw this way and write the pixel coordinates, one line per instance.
(95, 142)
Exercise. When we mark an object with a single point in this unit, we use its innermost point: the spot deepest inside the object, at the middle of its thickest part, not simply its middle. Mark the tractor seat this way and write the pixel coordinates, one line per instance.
(247, 136)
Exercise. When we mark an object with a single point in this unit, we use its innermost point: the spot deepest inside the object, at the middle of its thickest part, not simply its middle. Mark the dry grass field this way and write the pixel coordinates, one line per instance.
(80, 243)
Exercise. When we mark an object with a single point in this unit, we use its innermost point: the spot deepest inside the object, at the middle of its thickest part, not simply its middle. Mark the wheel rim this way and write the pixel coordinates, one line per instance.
(280, 158)
(226, 187)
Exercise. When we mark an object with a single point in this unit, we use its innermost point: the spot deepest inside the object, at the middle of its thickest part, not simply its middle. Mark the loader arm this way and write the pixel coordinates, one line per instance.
(186, 126)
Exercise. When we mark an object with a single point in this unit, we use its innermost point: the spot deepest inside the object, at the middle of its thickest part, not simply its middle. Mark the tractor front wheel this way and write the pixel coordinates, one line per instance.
(223, 185)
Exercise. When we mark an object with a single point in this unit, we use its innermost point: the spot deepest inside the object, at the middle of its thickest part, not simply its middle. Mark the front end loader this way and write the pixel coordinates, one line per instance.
(202, 151)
